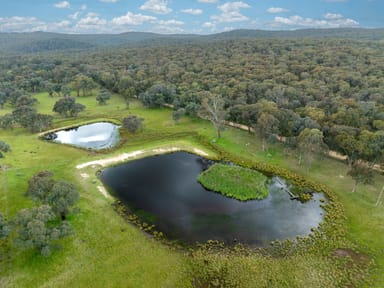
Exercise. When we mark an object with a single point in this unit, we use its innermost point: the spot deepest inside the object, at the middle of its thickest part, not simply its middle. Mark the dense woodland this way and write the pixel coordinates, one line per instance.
(328, 89)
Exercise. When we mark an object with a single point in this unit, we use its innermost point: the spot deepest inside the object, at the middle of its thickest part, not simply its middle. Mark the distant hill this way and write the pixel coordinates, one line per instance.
(40, 42)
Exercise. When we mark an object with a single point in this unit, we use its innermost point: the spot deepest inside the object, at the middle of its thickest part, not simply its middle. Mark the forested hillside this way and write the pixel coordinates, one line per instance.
(329, 85)
(37, 42)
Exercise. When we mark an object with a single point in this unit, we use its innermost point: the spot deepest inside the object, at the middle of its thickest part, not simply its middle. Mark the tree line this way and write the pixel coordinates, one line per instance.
(316, 93)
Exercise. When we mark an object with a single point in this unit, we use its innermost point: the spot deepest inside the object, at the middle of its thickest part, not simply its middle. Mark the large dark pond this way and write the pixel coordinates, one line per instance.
(96, 136)
(166, 190)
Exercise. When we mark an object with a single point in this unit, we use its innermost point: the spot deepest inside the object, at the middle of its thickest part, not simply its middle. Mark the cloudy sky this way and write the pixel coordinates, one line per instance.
(182, 16)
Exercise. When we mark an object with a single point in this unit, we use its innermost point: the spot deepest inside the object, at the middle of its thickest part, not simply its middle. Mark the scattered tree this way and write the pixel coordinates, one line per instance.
(7, 121)
(37, 229)
(266, 126)
(62, 196)
(40, 185)
(310, 142)
(176, 115)
(68, 107)
(213, 110)
(361, 173)
(103, 96)
(4, 227)
(4, 147)
(132, 123)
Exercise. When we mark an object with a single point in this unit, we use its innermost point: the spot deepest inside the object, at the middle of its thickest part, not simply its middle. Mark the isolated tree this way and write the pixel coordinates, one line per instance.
(103, 96)
(4, 147)
(176, 115)
(212, 108)
(310, 142)
(7, 121)
(361, 173)
(132, 123)
(37, 229)
(67, 107)
(4, 227)
(128, 94)
(266, 126)
(62, 197)
(40, 185)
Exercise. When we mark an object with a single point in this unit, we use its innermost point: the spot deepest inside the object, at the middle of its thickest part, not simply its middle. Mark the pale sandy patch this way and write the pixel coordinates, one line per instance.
(84, 175)
(109, 161)
(103, 191)
(200, 152)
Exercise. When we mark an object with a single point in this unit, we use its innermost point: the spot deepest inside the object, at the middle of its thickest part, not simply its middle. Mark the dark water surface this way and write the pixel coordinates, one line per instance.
(96, 136)
(165, 187)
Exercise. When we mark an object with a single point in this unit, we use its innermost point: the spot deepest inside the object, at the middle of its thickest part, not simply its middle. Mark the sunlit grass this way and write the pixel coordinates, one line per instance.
(235, 181)
(106, 251)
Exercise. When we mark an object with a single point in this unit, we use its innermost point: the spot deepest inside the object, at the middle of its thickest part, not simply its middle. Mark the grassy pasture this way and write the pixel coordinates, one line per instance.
(106, 251)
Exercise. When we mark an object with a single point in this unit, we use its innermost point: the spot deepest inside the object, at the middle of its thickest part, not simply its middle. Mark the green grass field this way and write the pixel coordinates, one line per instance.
(235, 181)
(107, 251)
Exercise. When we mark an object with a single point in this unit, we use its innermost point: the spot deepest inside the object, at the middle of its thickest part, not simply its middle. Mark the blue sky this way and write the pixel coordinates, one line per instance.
(181, 16)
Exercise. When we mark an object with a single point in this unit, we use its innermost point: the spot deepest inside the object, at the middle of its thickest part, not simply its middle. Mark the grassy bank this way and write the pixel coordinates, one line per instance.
(106, 251)
(235, 181)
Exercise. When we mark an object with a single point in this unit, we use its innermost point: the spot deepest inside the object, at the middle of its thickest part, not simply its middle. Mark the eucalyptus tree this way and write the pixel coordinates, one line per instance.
(68, 107)
(212, 108)
(36, 228)
(361, 173)
(103, 97)
(310, 142)
(133, 123)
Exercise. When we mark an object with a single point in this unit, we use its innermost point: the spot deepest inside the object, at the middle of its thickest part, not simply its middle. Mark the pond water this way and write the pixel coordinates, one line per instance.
(164, 191)
(96, 136)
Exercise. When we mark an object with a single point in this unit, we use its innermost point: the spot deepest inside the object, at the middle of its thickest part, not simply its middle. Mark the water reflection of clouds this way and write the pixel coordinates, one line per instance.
(94, 136)
(192, 213)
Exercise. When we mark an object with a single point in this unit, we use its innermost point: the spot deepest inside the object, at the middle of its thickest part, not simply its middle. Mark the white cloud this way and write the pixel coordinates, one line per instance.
(63, 24)
(91, 23)
(207, 1)
(192, 11)
(20, 24)
(168, 26)
(170, 22)
(231, 12)
(209, 25)
(333, 16)
(109, 1)
(74, 16)
(133, 19)
(62, 5)
(156, 6)
(83, 7)
(274, 10)
(301, 22)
